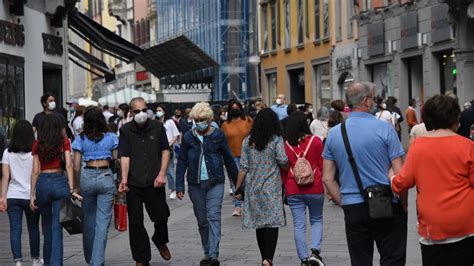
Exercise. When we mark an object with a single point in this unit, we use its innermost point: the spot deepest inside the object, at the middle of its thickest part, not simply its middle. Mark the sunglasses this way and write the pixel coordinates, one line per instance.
(138, 111)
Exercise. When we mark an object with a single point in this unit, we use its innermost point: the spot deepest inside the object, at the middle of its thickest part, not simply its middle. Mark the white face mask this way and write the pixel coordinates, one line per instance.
(310, 109)
(141, 117)
(278, 101)
(119, 113)
(51, 106)
(384, 106)
(159, 114)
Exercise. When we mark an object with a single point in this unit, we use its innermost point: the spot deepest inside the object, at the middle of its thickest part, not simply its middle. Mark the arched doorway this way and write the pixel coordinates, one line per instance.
(345, 79)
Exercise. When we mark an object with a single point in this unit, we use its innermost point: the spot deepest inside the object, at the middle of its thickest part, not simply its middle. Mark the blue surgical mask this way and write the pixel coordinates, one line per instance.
(202, 126)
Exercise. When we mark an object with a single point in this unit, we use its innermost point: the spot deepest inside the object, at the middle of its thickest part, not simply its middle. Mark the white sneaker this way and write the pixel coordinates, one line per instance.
(38, 262)
(18, 263)
(173, 195)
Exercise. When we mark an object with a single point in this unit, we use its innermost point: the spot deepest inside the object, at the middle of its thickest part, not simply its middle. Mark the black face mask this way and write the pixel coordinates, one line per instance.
(235, 112)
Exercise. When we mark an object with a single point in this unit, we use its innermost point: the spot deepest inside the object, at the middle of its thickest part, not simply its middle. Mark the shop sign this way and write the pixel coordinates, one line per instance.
(12, 34)
(344, 62)
(375, 39)
(52, 45)
(409, 30)
(440, 28)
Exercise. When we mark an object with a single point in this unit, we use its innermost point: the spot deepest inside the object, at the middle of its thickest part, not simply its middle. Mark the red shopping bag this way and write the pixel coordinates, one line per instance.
(120, 212)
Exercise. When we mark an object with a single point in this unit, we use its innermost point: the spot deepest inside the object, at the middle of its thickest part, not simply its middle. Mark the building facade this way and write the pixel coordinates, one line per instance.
(295, 41)
(33, 58)
(416, 49)
(224, 30)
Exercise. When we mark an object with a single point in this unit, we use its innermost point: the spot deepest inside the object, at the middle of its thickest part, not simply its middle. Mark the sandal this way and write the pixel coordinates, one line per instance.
(267, 262)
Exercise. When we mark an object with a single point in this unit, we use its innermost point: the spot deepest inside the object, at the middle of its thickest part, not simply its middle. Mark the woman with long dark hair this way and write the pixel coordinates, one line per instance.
(95, 146)
(263, 154)
(235, 129)
(172, 133)
(15, 198)
(301, 144)
(51, 154)
(124, 115)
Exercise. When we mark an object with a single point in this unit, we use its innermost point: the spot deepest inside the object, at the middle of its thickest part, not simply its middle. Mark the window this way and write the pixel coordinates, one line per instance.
(323, 81)
(350, 20)
(12, 93)
(306, 18)
(326, 19)
(300, 22)
(317, 21)
(338, 21)
(265, 28)
(272, 86)
(287, 24)
(273, 23)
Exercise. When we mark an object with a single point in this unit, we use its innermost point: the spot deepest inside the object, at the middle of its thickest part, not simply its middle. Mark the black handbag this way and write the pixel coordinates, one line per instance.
(71, 216)
(378, 197)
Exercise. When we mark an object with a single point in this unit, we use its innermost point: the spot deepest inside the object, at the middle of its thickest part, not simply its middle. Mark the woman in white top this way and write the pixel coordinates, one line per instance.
(78, 121)
(15, 198)
(172, 133)
(386, 115)
(319, 126)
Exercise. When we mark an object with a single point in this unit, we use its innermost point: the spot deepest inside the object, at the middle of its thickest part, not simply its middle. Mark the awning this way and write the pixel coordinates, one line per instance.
(81, 55)
(177, 56)
(102, 38)
(125, 96)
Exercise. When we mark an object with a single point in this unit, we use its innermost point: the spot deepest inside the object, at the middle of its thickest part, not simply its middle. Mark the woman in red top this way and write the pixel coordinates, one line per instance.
(300, 198)
(441, 166)
(49, 185)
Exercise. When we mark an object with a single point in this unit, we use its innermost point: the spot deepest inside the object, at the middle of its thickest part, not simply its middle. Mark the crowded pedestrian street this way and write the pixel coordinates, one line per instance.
(238, 247)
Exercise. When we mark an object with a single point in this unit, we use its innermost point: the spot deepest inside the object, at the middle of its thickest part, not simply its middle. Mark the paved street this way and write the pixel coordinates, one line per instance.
(238, 247)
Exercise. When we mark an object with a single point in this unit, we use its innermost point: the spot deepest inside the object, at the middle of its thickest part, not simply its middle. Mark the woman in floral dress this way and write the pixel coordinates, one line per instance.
(263, 154)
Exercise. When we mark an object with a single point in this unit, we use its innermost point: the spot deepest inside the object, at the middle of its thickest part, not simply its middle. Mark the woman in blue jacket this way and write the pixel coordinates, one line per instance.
(204, 152)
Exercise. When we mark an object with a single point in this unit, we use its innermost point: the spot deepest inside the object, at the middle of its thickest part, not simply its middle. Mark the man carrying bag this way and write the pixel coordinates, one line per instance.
(364, 149)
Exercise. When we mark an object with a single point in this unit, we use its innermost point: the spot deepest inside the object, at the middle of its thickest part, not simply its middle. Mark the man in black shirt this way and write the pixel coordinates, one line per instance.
(49, 107)
(144, 156)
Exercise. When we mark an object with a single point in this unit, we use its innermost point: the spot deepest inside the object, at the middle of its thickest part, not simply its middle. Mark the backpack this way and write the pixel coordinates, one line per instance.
(303, 172)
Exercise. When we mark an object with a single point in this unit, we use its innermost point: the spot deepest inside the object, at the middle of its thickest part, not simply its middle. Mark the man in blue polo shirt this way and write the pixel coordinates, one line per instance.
(280, 107)
(376, 149)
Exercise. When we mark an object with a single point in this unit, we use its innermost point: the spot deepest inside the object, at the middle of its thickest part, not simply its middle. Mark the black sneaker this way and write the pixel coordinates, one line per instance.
(205, 261)
(214, 262)
(315, 259)
(305, 262)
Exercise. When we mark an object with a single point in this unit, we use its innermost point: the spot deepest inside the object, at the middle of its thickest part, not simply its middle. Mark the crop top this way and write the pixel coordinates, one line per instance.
(92, 150)
(56, 162)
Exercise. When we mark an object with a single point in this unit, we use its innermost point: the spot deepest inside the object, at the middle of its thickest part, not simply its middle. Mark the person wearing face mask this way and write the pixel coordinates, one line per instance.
(172, 133)
(235, 129)
(144, 154)
(49, 107)
(385, 115)
(204, 153)
(280, 107)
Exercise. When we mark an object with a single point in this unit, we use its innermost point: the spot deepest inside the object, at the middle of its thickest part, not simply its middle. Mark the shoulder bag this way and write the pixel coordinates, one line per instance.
(378, 197)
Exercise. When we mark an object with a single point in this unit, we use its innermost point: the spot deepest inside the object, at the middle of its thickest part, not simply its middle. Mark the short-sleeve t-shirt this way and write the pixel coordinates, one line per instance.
(39, 117)
(56, 162)
(171, 129)
(20, 165)
(92, 150)
(374, 144)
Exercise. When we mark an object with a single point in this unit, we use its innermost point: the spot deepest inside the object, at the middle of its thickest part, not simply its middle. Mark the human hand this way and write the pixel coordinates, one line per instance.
(33, 206)
(160, 181)
(3, 204)
(123, 186)
(76, 195)
(180, 195)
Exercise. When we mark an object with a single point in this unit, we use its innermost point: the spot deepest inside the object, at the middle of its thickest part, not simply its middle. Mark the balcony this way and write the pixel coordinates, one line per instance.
(118, 9)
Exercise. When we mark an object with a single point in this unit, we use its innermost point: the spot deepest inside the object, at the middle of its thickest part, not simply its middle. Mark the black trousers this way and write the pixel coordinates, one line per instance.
(456, 254)
(157, 208)
(267, 241)
(390, 236)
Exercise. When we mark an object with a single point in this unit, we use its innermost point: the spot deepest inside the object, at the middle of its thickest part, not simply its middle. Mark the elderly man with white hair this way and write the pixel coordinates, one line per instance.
(204, 152)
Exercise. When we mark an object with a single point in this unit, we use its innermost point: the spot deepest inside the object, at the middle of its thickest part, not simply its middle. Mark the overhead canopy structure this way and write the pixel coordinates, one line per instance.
(76, 54)
(125, 96)
(174, 57)
(102, 38)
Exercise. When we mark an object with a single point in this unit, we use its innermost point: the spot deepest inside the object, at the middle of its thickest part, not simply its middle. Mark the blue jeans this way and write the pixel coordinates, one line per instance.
(98, 190)
(237, 203)
(15, 210)
(207, 205)
(170, 174)
(51, 188)
(298, 205)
